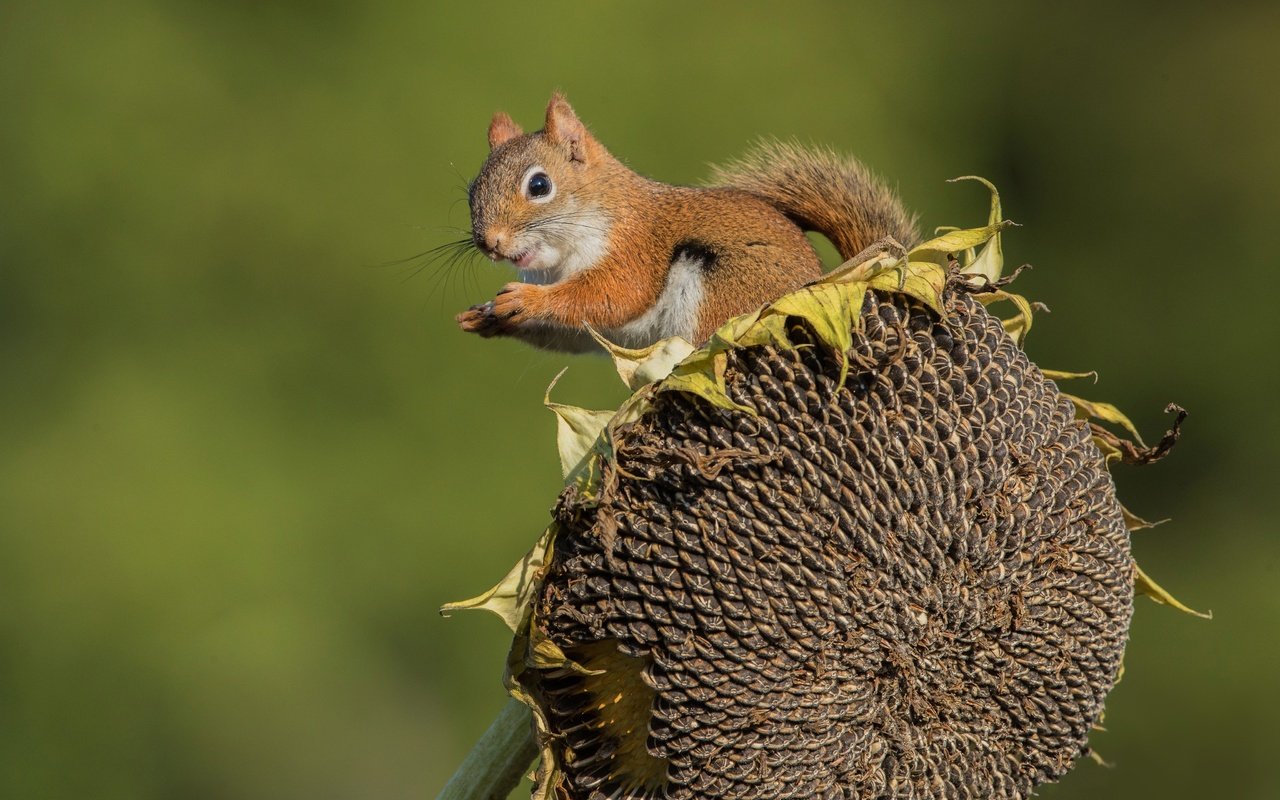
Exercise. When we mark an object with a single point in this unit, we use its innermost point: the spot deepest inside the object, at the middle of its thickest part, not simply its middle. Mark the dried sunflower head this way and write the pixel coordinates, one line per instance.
(857, 545)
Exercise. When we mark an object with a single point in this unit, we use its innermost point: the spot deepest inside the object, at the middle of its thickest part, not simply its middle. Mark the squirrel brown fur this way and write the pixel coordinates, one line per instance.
(598, 245)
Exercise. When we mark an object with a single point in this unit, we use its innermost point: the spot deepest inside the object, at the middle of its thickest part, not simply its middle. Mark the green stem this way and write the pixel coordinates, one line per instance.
(498, 761)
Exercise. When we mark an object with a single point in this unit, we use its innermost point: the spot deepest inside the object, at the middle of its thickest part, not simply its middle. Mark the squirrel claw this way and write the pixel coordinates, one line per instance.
(480, 319)
(506, 312)
(512, 303)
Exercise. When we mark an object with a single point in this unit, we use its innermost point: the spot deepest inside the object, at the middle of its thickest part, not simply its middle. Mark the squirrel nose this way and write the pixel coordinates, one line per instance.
(493, 241)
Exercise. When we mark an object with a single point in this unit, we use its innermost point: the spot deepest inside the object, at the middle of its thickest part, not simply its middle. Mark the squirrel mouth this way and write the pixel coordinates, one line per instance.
(524, 257)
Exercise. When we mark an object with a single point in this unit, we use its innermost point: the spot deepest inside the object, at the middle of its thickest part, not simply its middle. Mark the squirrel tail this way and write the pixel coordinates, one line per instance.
(821, 190)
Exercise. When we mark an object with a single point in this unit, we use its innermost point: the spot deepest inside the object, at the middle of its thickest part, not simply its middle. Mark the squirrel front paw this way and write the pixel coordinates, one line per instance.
(479, 319)
(513, 306)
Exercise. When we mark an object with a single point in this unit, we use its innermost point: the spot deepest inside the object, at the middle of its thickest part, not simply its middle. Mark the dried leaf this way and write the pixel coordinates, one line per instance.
(830, 309)
(510, 597)
(1133, 522)
(1144, 584)
(1087, 409)
(922, 280)
(703, 375)
(547, 774)
(937, 249)
(1139, 453)
(1058, 375)
(1110, 453)
(581, 440)
(861, 266)
(752, 330)
(1018, 325)
(989, 262)
(546, 654)
(644, 366)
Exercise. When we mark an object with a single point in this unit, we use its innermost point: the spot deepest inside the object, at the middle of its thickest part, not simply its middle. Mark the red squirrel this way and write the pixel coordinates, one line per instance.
(638, 260)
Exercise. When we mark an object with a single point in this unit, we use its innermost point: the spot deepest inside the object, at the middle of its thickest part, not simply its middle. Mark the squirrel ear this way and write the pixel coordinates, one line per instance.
(564, 128)
(502, 129)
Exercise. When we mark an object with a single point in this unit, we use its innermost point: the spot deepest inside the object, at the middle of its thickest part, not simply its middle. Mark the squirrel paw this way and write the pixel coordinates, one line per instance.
(513, 303)
(505, 312)
(479, 319)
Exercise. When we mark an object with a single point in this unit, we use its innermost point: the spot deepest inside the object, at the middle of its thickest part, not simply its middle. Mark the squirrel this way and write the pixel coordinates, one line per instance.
(596, 244)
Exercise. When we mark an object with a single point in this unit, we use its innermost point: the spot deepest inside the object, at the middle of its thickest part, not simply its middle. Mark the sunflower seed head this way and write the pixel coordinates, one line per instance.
(915, 582)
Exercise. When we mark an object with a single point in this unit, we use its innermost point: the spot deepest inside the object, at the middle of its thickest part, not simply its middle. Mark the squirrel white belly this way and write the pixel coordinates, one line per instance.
(596, 244)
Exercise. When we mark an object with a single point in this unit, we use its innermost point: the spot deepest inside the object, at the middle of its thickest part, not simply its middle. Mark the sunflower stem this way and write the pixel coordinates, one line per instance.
(498, 760)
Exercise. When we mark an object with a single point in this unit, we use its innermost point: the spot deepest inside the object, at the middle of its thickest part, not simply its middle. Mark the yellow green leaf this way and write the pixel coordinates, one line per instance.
(1133, 522)
(511, 596)
(704, 377)
(989, 262)
(729, 332)
(1087, 409)
(1059, 375)
(547, 774)
(830, 309)
(954, 242)
(646, 365)
(996, 215)
(749, 330)
(546, 654)
(922, 280)
(577, 430)
(771, 329)
(851, 271)
(633, 407)
(1017, 328)
(1018, 325)
(1110, 453)
(1144, 584)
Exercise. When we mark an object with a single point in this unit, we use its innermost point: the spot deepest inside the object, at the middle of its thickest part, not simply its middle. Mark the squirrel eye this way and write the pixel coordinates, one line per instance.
(539, 185)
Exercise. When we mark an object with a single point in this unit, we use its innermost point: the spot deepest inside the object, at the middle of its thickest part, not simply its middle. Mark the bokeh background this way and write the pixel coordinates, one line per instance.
(245, 454)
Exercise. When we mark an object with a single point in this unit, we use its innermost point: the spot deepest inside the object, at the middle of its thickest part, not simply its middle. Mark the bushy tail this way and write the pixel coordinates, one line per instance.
(822, 191)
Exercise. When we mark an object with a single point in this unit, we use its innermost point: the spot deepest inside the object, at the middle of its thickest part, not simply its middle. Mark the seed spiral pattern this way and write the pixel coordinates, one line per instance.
(917, 584)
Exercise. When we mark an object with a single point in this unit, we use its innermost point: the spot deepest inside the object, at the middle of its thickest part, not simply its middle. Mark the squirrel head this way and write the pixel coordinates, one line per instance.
(527, 203)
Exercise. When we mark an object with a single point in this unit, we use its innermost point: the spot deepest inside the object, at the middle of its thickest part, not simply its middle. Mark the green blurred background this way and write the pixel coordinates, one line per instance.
(243, 461)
